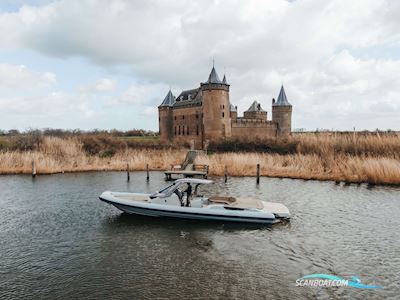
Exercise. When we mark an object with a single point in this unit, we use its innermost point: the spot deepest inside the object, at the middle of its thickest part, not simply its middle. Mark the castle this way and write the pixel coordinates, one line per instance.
(205, 114)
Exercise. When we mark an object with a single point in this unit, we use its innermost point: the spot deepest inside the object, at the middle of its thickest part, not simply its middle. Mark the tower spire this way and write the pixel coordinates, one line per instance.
(282, 99)
(169, 99)
(213, 77)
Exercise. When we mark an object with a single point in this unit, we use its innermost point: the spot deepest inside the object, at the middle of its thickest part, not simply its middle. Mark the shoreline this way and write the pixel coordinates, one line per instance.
(311, 178)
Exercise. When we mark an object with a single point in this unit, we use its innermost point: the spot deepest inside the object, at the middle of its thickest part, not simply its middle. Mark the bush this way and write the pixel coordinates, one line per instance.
(102, 145)
(263, 146)
(25, 142)
(4, 144)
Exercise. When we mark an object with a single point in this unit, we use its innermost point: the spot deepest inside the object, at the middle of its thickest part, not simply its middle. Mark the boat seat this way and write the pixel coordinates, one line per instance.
(221, 199)
(133, 197)
(248, 203)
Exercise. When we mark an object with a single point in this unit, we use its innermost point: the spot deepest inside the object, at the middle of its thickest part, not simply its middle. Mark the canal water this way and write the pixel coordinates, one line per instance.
(58, 241)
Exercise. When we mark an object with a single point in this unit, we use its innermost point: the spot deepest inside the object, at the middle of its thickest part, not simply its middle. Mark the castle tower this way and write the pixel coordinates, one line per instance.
(282, 114)
(216, 108)
(165, 118)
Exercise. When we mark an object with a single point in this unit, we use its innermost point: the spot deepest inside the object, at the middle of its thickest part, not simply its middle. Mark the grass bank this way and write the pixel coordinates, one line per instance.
(372, 158)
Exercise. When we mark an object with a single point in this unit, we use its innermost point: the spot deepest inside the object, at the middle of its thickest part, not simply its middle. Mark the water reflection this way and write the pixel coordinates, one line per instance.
(125, 219)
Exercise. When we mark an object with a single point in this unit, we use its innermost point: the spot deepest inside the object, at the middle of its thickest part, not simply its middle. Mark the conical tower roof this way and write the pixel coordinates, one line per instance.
(282, 100)
(213, 77)
(169, 100)
(224, 79)
(255, 106)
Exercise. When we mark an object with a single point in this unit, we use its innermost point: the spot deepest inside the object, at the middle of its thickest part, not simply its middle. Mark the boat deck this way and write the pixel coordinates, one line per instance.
(238, 202)
(226, 200)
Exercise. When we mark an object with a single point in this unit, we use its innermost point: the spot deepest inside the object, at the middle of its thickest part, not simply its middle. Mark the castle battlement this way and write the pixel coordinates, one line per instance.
(250, 122)
(205, 113)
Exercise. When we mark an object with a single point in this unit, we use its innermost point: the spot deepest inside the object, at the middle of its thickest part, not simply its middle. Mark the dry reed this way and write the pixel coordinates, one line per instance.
(350, 158)
(343, 168)
(56, 155)
(371, 158)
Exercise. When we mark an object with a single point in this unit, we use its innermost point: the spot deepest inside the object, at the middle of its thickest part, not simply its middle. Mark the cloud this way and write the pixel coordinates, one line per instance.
(19, 77)
(312, 45)
(101, 85)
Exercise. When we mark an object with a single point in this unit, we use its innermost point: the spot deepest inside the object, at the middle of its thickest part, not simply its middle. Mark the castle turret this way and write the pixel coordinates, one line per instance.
(216, 107)
(165, 117)
(255, 112)
(282, 114)
(233, 110)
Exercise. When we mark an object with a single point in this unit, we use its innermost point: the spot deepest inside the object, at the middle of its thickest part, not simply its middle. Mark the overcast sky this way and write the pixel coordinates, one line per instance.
(108, 64)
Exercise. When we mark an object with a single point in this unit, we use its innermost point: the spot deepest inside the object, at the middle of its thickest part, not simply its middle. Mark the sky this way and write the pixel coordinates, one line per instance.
(108, 64)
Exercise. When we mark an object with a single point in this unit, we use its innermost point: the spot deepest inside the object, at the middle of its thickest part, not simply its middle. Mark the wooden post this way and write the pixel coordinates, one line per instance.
(147, 172)
(226, 174)
(127, 172)
(205, 177)
(33, 169)
(258, 173)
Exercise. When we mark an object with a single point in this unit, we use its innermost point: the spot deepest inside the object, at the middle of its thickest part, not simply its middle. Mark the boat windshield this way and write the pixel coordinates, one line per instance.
(170, 189)
(166, 188)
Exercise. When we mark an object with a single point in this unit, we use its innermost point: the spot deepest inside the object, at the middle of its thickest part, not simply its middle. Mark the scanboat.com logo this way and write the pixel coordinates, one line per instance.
(326, 280)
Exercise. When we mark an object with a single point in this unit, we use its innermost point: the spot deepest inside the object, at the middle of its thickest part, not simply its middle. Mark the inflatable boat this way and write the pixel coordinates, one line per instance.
(182, 199)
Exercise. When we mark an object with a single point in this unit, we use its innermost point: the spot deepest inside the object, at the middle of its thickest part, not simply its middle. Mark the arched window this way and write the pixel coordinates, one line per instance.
(179, 130)
(197, 129)
(175, 130)
(223, 114)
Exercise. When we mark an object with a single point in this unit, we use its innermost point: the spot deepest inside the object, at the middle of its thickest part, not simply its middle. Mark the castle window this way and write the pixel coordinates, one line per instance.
(175, 130)
(183, 117)
(175, 117)
(179, 130)
(223, 114)
(197, 129)
(223, 106)
(197, 116)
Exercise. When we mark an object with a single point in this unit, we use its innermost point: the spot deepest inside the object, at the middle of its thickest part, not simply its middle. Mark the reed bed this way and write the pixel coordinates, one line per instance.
(370, 158)
(331, 144)
(57, 155)
(352, 157)
(345, 168)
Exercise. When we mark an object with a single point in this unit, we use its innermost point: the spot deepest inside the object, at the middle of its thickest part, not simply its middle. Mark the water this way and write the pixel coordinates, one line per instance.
(58, 241)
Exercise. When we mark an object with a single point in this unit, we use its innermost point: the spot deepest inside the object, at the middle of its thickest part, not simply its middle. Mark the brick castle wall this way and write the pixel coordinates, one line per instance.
(252, 129)
(187, 125)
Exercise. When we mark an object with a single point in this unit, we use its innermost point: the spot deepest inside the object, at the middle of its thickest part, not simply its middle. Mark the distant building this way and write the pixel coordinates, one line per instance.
(205, 114)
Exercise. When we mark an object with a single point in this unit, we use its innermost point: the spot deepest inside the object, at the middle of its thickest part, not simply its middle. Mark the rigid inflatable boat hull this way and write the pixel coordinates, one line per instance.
(193, 213)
